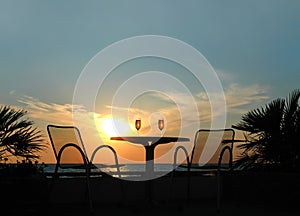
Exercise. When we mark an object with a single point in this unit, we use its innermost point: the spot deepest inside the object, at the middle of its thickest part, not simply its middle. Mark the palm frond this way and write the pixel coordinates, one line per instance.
(291, 107)
(266, 118)
(18, 137)
(273, 133)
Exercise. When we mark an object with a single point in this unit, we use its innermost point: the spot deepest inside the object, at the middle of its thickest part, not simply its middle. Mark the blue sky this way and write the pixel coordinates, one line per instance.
(44, 45)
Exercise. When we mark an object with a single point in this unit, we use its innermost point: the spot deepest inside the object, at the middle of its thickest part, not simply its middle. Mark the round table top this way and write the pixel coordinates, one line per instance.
(146, 140)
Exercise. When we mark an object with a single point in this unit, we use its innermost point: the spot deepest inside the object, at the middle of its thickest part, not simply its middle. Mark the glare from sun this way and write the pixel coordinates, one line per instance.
(113, 127)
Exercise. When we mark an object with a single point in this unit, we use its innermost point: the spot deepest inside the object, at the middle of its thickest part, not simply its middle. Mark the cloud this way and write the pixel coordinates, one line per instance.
(242, 98)
(49, 113)
(239, 100)
(225, 76)
(12, 92)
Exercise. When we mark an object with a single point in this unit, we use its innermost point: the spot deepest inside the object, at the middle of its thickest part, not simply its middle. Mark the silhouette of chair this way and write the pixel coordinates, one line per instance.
(70, 154)
(217, 144)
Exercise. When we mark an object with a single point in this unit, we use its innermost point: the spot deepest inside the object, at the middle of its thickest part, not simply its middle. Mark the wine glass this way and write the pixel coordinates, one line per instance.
(138, 124)
(161, 125)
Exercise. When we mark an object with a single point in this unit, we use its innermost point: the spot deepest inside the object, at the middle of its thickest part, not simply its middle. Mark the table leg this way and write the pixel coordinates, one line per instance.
(149, 174)
(149, 160)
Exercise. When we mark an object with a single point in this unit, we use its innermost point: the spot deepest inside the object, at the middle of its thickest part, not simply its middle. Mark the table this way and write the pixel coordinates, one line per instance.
(149, 143)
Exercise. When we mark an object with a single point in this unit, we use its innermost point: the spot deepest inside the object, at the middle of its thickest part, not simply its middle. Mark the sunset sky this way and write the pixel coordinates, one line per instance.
(253, 46)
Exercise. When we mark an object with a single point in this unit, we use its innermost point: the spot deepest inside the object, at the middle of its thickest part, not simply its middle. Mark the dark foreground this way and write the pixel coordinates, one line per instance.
(241, 194)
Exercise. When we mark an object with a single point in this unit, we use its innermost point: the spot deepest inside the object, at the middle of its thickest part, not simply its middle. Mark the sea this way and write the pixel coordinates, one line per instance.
(124, 168)
(49, 168)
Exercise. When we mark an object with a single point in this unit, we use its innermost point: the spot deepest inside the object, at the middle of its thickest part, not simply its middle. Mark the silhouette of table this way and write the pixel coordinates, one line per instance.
(149, 143)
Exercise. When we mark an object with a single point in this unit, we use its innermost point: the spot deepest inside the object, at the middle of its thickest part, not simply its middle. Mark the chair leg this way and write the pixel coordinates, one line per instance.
(49, 189)
(218, 192)
(188, 186)
(122, 191)
(88, 187)
(171, 187)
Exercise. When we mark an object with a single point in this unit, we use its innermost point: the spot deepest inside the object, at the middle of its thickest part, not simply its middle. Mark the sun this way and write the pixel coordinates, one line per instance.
(113, 127)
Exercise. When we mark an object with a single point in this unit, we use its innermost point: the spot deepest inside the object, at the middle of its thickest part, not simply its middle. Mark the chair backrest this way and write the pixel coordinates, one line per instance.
(210, 147)
(60, 136)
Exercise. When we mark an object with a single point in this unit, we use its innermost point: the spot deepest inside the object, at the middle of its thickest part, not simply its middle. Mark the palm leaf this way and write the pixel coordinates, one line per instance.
(291, 107)
(273, 133)
(18, 137)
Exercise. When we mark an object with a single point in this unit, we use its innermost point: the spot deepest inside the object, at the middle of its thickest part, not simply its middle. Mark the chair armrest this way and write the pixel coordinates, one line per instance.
(186, 155)
(71, 145)
(114, 153)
